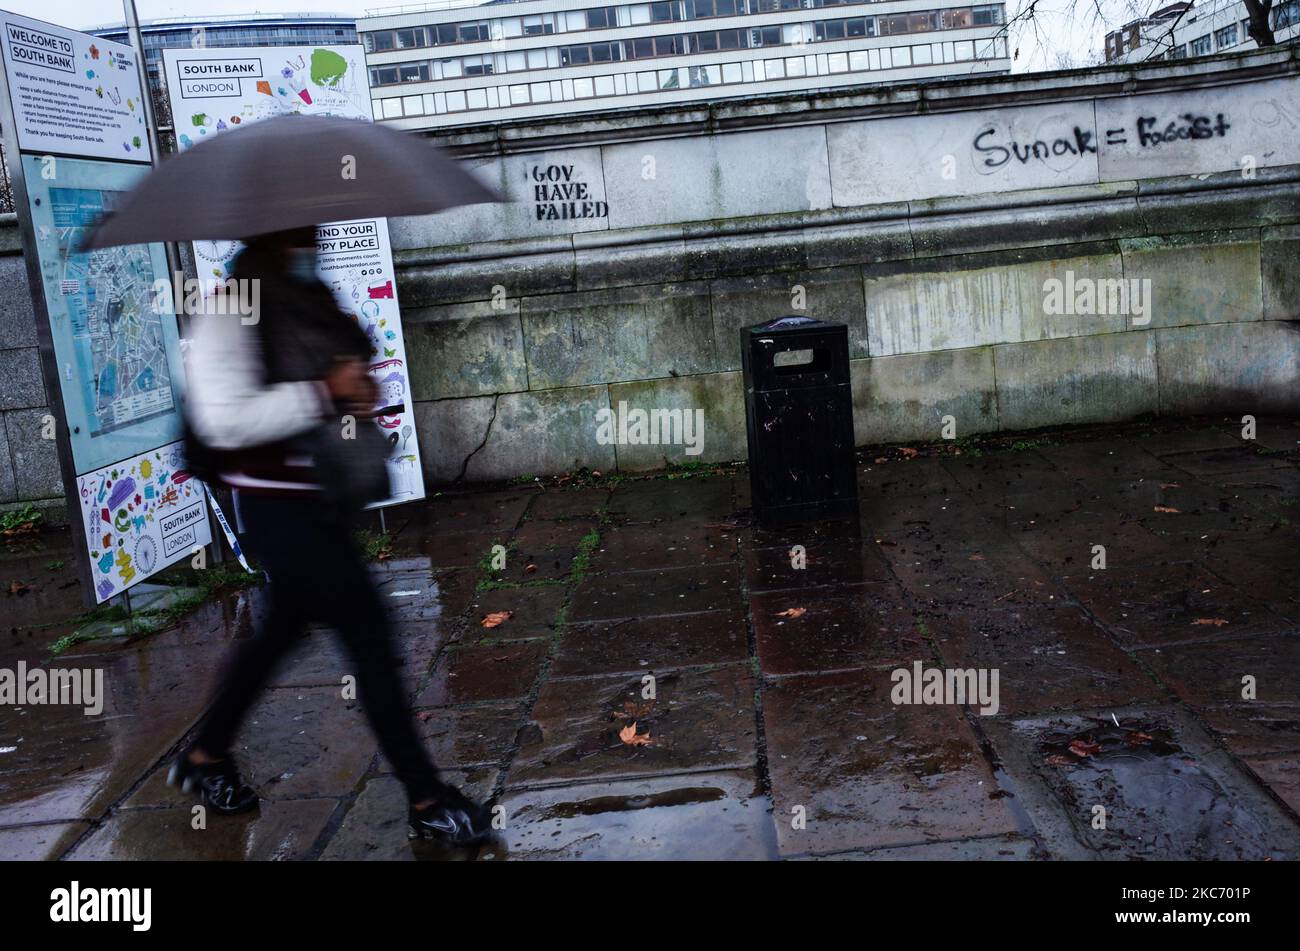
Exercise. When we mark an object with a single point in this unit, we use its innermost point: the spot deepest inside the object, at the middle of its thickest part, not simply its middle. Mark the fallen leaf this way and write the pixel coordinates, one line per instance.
(1170, 485)
(1084, 748)
(975, 558)
(424, 715)
(1056, 759)
(530, 568)
(1216, 621)
(1137, 738)
(629, 736)
(496, 617)
(635, 711)
(909, 453)
(792, 612)
(881, 460)
(18, 587)
(1166, 508)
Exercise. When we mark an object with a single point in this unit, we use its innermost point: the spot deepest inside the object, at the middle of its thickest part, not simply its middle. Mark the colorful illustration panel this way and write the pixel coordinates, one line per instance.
(140, 515)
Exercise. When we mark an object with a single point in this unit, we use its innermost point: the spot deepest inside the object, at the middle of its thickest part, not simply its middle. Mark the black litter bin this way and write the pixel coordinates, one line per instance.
(799, 420)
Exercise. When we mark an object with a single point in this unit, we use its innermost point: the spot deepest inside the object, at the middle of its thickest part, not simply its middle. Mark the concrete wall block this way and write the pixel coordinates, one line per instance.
(729, 255)
(35, 460)
(465, 350)
(1105, 218)
(1056, 304)
(1196, 283)
(1093, 379)
(572, 200)
(962, 153)
(620, 265)
(887, 239)
(21, 382)
(632, 333)
(532, 433)
(17, 320)
(8, 481)
(1244, 119)
(730, 175)
(953, 309)
(458, 282)
(902, 398)
(1252, 367)
(713, 403)
(1280, 266)
(833, 294)
(1256, 202)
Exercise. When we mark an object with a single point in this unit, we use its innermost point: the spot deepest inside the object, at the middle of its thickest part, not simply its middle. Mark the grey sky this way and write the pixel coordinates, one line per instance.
(1065, 35)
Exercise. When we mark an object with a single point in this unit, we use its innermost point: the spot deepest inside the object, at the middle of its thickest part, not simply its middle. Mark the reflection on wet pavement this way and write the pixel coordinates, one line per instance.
(667, 679)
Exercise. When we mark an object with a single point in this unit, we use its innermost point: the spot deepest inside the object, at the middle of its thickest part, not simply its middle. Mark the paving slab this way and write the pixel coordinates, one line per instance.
(467, 737)
(698, 720)
(568, 503)
(39, 842)
(650, 645)
(1215, 673)
(633, 594)
(867, 773)
(276, 831)
(714, 816)
(1253, 729)
(375, 828)
(1160, 785)
(844, 627)
(474, 674)
(1147, 606)
(669, 545)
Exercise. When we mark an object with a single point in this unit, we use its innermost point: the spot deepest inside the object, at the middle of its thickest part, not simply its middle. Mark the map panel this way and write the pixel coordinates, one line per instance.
(114, 335)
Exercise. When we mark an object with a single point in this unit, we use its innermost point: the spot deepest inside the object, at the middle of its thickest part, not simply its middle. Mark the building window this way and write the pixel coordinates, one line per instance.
(665, 12)
(1226, 37)
(600, 17)
(406, 39)
(1202, 46)
(539, 25)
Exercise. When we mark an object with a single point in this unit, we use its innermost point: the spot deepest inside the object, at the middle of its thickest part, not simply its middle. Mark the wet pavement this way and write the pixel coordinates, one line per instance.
(673, 682)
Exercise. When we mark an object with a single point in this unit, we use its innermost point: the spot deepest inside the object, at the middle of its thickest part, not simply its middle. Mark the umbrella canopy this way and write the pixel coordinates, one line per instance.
(289, 172)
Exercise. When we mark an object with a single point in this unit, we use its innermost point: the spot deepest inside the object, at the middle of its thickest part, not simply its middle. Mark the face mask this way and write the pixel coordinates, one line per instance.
(302, 264)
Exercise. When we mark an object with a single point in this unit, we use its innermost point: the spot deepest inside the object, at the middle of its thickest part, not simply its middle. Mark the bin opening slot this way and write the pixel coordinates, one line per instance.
(790, 362)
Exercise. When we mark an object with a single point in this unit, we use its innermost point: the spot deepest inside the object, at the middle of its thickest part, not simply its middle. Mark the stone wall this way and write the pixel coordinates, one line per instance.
(29, 465)
(901, 211)
(928, 219)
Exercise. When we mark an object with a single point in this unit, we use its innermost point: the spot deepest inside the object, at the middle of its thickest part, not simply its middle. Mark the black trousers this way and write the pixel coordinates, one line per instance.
(318, 574)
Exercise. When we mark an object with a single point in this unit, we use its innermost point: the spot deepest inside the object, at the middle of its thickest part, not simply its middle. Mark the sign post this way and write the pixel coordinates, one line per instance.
(77, 138)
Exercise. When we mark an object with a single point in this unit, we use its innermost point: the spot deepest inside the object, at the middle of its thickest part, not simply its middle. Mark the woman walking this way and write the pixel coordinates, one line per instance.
(276, 408)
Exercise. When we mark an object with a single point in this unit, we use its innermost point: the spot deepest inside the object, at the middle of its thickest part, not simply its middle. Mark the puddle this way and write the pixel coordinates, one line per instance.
(1161, 800)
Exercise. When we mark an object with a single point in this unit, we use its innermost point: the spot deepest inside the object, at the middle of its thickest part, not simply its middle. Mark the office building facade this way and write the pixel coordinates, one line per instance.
(1183, 30)
(437, 66)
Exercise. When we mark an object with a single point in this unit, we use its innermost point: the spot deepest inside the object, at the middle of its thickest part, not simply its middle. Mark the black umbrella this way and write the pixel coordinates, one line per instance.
(289, 172)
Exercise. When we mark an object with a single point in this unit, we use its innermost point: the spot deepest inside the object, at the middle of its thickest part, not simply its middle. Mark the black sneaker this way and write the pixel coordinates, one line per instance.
(218, 784)
(454, 819)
